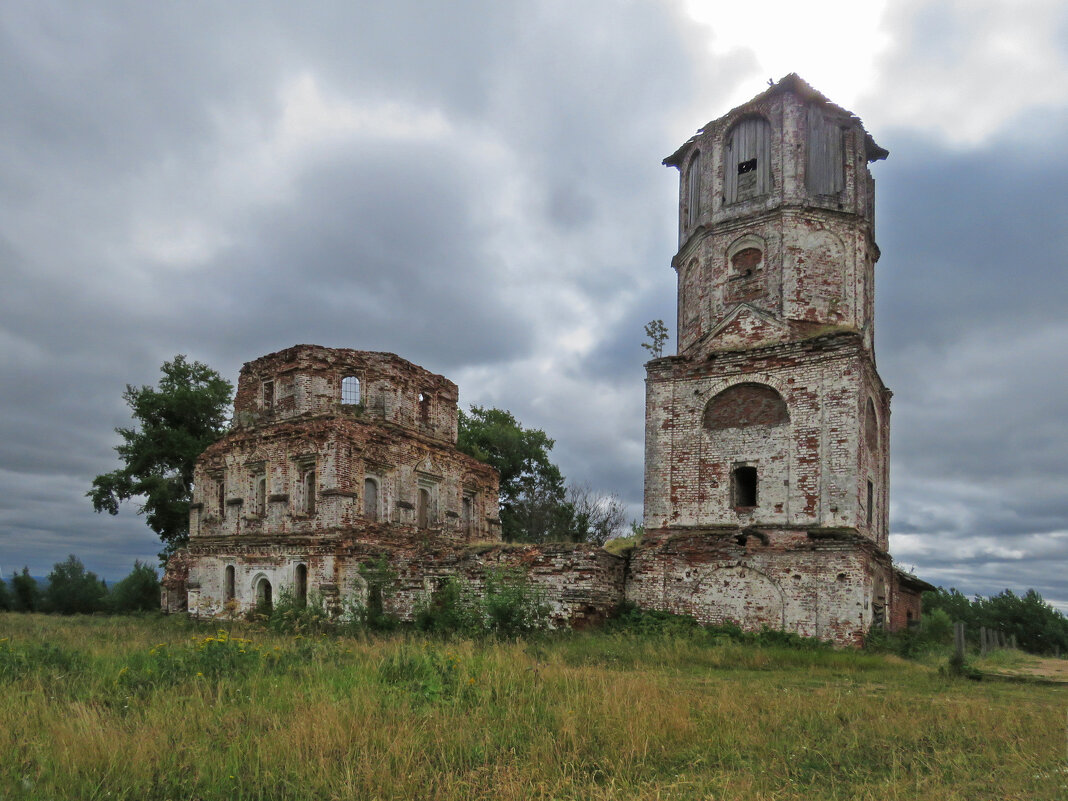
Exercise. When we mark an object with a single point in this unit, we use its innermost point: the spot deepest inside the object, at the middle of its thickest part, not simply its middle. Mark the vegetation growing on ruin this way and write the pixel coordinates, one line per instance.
(163, 708)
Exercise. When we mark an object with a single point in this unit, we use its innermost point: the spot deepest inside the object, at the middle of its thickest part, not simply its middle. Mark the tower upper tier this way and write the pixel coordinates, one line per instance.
(776, 214)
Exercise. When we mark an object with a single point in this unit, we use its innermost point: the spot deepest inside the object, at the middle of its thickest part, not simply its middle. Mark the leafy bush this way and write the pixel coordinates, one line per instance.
(651, 622)
(73, 590)
(453, 608)
(138, 592)
(6, 601)
(292, 615)
(513, 605)
(381, 580)
(509, 605)
(935, 632)
(635, 620)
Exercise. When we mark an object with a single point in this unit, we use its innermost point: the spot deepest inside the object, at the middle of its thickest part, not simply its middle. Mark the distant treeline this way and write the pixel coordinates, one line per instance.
(71, 589)
(1037, 626)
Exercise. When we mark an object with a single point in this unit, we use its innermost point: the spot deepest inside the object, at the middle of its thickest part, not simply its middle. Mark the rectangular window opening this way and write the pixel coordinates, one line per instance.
(309, 492)
(744, 486)
(871, 502)
(268, 395)
(747, 166)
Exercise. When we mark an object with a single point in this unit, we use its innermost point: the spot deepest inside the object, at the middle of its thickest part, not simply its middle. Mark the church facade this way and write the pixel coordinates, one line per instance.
(766, 434)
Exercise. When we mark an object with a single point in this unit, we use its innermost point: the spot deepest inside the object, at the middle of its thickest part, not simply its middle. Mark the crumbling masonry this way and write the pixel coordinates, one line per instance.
(767, 434)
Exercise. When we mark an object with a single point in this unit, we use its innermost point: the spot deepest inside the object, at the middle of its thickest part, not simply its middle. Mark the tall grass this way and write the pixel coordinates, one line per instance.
(154, 708)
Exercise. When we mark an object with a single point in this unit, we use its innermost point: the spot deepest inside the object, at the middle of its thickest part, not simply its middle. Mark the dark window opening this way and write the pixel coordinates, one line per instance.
(268, 395)
(230, 584)
(745, 486)
(370, 499)
(424, 408)
(309, 492)
(423, 508)
(747, 166)
(302, 583)
(878, 615)
(871, 502)
(261, 495)
(263, 595)
(350, 390)
(468, 515)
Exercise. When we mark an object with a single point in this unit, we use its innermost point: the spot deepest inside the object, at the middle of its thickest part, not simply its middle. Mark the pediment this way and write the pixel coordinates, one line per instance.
(745, 326)
(427, 467)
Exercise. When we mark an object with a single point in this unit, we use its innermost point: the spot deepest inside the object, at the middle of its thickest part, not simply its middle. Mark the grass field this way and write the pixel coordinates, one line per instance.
(154, 708)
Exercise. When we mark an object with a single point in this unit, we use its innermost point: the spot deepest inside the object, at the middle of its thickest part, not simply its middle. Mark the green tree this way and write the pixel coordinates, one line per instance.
(532, 492)
(595, 517)
(657, 333)
(175, 423)
(6, 601)
(138, 592)
(73, 590)
(26, 594)
(1037, 626)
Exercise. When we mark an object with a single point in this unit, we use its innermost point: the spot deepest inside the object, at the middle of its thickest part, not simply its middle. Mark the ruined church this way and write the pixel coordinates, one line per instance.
(766, 434)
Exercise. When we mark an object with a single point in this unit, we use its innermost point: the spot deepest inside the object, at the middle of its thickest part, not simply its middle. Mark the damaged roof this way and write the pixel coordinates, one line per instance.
(797, 85)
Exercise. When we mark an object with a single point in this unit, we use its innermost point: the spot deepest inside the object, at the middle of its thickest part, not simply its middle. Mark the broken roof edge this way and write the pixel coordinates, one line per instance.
(794, 83)
(295, 352)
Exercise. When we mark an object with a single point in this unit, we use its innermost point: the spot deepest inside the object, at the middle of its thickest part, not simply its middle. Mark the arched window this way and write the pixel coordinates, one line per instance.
(747, 160)
(370, 499)
(423, 508)
(350, 390)
(229, 584)
(745, 405)
(264, 600)
(301, 591)
(693, 191)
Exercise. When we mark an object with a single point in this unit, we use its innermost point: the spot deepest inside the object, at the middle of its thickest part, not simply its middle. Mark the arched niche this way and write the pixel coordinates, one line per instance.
(745, 405)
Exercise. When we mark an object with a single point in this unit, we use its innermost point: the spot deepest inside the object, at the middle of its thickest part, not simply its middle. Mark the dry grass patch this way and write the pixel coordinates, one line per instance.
(590, 716)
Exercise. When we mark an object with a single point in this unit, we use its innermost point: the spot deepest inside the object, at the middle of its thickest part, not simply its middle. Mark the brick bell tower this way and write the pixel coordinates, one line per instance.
(766, 438)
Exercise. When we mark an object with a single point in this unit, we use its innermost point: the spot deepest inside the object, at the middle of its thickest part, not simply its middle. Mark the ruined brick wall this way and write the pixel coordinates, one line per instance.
(813, 460)
(307, 380)
(582, 584)
(810, 583)
(319, 466)
(344, 454)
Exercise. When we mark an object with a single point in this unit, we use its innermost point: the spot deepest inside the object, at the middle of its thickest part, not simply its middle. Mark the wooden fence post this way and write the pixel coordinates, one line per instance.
(958, 640)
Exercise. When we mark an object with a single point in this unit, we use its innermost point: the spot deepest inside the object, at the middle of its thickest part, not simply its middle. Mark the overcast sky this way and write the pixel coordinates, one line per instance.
(478, 188)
